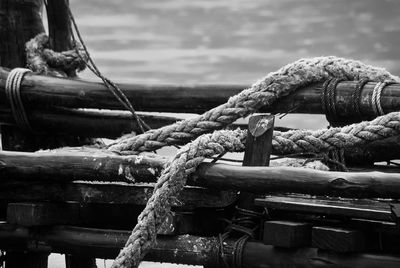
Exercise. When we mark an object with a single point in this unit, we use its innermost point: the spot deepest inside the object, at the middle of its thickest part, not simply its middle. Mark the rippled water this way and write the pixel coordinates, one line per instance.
(220, 41)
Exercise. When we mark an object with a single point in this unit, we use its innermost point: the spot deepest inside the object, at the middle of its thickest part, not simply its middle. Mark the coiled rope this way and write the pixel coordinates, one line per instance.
(12, 90)
(264, 92)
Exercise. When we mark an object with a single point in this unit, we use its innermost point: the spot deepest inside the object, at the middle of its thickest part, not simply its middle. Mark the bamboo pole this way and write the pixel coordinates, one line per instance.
(94, 165)
(47, 91)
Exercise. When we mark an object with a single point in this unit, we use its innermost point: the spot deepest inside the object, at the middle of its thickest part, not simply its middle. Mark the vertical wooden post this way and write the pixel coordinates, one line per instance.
(60, 38)
(60, 35)
(59, 25)
(257, 153)
(258, 149)
(20, 21)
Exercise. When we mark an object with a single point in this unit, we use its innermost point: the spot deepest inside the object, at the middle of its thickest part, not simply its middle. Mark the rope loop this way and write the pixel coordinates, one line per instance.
(13, 93)
(328, 98)
(376, 97)
(356, 97)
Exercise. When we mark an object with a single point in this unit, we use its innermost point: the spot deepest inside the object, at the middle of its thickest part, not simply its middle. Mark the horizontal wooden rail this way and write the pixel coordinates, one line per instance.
(69, 166)
(44, 91)
(185, 249)
(87, 122)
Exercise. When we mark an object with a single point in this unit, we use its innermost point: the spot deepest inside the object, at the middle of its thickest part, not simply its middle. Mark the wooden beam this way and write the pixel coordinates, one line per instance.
(298, 180)
(333, 207)
(186, 249)
(112, 193)
(105, 166)
(92, 165)
(47, 91)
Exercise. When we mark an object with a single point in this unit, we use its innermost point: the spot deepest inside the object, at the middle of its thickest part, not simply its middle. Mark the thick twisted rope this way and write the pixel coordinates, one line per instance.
(263, 93)
(169, 185)
(174, 177)
(298, 141)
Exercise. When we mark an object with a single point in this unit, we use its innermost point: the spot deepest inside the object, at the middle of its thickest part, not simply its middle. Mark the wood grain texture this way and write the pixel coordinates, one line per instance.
(47, 91)
(17, 167)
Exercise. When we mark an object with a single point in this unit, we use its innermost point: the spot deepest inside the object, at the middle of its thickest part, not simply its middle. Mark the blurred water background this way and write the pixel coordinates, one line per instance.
(233, 41)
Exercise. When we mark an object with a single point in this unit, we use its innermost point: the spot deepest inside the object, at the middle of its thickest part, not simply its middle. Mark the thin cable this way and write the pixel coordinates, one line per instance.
(115, 90)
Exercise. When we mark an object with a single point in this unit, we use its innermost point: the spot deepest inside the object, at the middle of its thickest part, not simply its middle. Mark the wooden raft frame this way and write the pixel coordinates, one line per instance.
(77, 203)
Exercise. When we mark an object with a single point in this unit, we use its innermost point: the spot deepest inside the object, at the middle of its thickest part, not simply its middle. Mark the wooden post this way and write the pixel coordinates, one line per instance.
(20, 20)
(257, 153)
(59, 27)
(258, 149)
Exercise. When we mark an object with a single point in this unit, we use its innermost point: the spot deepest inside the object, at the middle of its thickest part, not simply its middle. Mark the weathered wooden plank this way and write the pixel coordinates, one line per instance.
(338, 239)
(93, 165)
(287, 234)
(362, 208)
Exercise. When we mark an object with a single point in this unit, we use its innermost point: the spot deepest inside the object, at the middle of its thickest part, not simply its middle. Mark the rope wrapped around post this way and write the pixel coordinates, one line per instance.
(264, 92)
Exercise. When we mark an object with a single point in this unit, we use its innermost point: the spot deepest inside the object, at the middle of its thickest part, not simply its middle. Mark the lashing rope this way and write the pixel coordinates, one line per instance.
(356, 98)
(13, 93)
(328, 96)
(376, 97)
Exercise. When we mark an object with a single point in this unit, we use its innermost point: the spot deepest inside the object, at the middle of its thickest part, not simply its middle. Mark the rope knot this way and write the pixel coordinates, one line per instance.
(43, 60)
